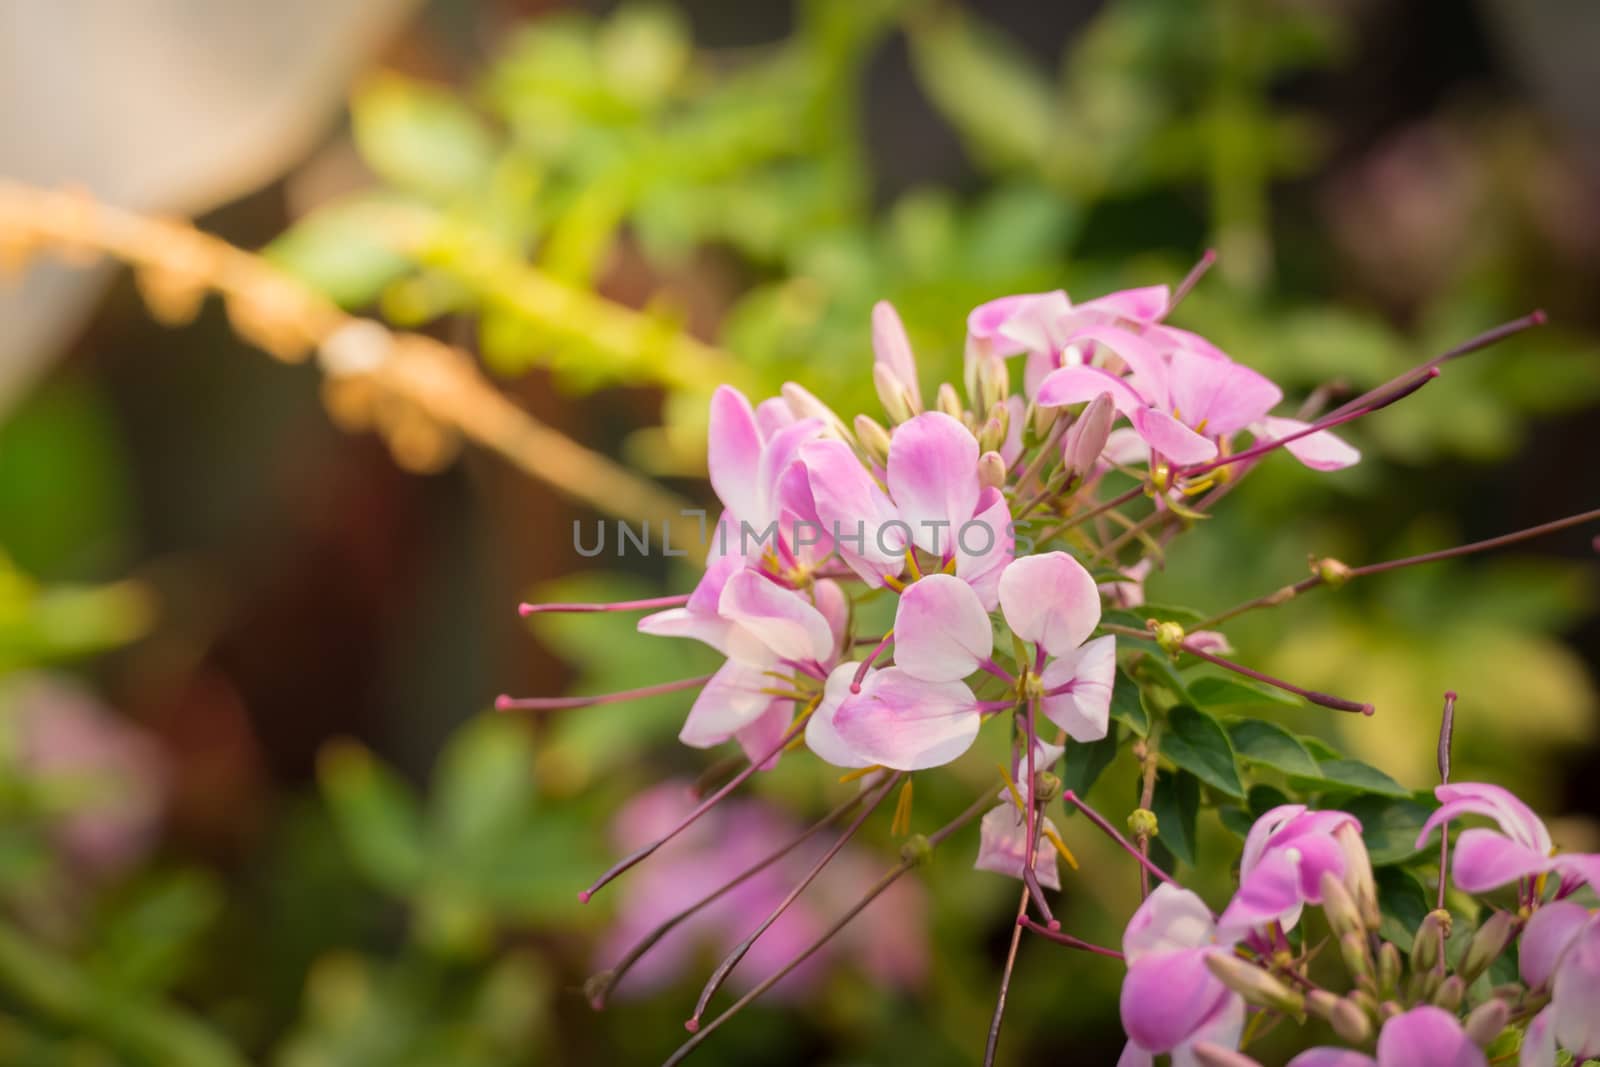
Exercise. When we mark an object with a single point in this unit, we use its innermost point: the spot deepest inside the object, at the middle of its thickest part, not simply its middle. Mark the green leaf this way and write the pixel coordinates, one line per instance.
(1403, 902)
(1236, 821)
(1176, 803)
(1270, 745)
(150, 934)
(1389, 825)
(483, 790)
(1197, 743)
(1085, 761)
(1127, 705)
(338, 251)
(988, 88)
(1349, 776)
(421, 137)
(1213, 690)
(376, 815)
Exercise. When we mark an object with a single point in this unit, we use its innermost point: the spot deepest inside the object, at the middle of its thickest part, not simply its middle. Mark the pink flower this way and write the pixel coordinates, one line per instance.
(1050, 601)
(1047, 327)
(768, 632)
(717, 849)
(1183, 396)
(894, 364)
(1486, 859)
(1170, 999)
(920, 713)
(1285, 856)
(1560, 951)
(64, 733)
(934, 503)
(1422, 1037)
(1003, 834)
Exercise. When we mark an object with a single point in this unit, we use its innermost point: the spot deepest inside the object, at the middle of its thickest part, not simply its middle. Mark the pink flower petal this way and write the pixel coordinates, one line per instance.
(1427, 1037)
(1168, 998)
(1170, 919)
(1173, 439)
(681, 622)
(732, 700)
(1548, 934)
(733, 451)
(1539, 1042)
(1516, 819)
(760, 739)
(933, 478)
(770, 619)
(1576, 993)
(1051, 600)
(1321, 451)
(1003, 847)
(1084, 711)
(891, 346)
(941, 632)
(822, 737)
(1332, 1057)
(907, 724)
(1142, 306)
(1270, 893)
(1222, 396)
(855, 510)
(1079, 385)
(1485, 860)
(985, 544)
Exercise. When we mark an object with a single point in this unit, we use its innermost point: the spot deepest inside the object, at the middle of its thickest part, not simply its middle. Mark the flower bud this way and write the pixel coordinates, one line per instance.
(1170, 636)
(1253, 983)
(1046, 787)
(992, 434)
(1450, 993)
(1429, 944)
(1042, 419)
(1331, 571)
(1357, 955)
(803, 404)
(1086, 438)
(1142, 823)
(1388, 968)
(1486, 1022)
(891, 393)
(1486, 945)
(1346, 1017)
(916, 849)
(1358, 873)
(1343, 916)
(992, 381)
(1208, 1055)
(873, 437)
(950, 401)
(991, 470)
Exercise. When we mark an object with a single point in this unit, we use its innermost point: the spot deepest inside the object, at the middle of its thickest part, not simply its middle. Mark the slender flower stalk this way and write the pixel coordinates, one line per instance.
(912, 856)
(649, 604)
(1190, 280)
(510, 703)
(1110, 831)
(731, 960)
(599, 986)
(639, 855)
(1025, 923)
(992, 1045)
(1447, 727)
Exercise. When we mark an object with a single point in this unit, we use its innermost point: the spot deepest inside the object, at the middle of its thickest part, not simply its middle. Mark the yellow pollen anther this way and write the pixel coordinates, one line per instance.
(1011, 787)
(860, 772)
(1060, 845)
(894, 583)
(912, 565)
(901, 824)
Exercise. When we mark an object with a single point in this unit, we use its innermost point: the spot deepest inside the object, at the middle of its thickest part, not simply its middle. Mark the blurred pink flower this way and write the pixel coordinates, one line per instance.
(887, 942)
(1285, 856)
(1170, 999)
(1422, 1037)
(116, 774)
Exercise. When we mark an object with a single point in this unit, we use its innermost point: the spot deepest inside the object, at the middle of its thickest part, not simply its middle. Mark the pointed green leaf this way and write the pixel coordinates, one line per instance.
(1085, 761)
(1197, 743)
(1176, 803)
(1127, 704)
(1349, 776)
(1270, 745)
(1214, 690)
(375, 813)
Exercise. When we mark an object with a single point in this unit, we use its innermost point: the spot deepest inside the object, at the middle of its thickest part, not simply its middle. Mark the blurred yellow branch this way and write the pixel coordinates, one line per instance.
(419, 393)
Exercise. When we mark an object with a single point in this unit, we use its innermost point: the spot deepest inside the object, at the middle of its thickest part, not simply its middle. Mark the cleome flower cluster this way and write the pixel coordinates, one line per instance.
(1012, 532)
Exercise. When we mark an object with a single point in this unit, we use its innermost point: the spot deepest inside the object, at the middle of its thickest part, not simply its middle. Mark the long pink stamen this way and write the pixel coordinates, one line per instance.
(1447, 727)
(1067, 939)
(1111, 831)
(1320, 699)
(1190, 280)
(732, 959)
(648, 604)
(509, 703)
(639, 855)
(866, 664)
(1327, 423)
(1478, 343)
